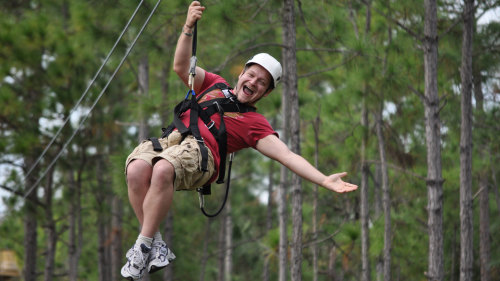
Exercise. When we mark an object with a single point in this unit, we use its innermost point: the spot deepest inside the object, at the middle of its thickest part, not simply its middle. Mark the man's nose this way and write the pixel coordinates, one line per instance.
(253, 81)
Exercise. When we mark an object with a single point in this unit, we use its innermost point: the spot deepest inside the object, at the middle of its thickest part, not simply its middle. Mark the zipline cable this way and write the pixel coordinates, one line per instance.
(95, 102)
(84, 93)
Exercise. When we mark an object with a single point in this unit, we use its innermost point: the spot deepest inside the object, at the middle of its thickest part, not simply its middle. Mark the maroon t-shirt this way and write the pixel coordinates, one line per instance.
(243, 129)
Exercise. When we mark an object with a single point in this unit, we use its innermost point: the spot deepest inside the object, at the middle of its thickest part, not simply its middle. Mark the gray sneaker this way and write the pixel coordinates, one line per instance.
(160, 256)
(137, 258)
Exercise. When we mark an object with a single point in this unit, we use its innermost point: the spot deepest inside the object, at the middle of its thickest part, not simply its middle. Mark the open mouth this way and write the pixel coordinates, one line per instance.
(247, 91)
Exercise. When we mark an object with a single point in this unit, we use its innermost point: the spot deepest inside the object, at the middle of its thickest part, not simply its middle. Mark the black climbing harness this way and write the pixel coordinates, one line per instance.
(204, 111)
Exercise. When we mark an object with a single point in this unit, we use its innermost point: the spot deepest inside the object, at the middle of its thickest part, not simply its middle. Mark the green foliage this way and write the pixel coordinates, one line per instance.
(50, 51)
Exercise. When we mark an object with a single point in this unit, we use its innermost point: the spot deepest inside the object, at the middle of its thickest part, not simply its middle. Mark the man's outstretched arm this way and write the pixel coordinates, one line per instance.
(272, 147)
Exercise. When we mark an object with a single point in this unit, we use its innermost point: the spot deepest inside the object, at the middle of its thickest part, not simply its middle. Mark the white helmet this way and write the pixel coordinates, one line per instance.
(268, 62)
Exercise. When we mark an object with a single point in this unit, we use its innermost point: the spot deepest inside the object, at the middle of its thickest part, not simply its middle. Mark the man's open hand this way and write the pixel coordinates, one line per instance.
(335, 183)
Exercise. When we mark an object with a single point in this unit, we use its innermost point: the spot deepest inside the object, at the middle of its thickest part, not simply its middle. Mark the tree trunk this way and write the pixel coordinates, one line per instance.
(30, 226)
(75, 230)
(30, 238)
(282, 218)
(455, 248)
(269, 217)
(50, 228)
(386, 201)
(228, 259)
(466, 225)
(379, 268)
(484, 195)
(435, 271)
(495, 185)
(283, 187)
(290, 86)
(332, 257)
(364, 208)
(116, 237)
(314, 248)
(204, 256)
(102, 222)
(222, 248)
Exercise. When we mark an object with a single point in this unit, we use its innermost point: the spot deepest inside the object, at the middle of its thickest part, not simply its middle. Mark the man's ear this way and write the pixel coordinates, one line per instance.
(268, 92)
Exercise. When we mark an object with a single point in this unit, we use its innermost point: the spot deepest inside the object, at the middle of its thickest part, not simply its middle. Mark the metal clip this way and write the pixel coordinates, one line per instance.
(219, 108)
(211, 124)
(201, 198)
(227, 93)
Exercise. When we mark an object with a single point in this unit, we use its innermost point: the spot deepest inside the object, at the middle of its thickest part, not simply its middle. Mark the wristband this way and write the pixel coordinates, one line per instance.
(187, 33)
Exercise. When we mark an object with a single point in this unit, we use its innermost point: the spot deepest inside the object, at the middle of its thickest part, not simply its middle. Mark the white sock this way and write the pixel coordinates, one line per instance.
(144, 240)
(157, 236)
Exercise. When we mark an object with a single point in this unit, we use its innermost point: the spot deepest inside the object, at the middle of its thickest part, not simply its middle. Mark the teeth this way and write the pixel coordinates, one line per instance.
(247, 90)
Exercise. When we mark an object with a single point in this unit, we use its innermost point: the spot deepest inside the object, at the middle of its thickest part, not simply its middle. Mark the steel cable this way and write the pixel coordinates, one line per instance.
(98, 97)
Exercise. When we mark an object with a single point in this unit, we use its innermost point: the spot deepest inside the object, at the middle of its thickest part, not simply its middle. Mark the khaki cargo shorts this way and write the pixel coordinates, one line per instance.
(185, 156)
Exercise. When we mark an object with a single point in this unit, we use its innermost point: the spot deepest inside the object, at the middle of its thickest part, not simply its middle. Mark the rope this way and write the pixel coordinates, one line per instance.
(100, 94)
(226, 195)
(195, 39)
(193, 60)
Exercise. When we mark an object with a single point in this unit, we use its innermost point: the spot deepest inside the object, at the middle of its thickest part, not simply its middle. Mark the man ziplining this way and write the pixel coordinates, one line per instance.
(190, 153)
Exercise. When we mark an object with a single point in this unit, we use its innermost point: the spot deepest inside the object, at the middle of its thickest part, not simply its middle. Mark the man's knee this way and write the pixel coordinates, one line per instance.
(138, 173)
(163, 171)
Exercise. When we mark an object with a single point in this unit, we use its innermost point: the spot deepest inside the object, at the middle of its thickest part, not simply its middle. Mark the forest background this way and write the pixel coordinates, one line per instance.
(357, 94)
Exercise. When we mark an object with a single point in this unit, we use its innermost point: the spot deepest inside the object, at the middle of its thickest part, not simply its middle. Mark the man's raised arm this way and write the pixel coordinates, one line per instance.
(183, 49)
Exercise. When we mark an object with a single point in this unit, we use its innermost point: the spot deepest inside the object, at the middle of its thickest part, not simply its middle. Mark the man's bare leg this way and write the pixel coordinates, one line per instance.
(158, 198)
(138, 181)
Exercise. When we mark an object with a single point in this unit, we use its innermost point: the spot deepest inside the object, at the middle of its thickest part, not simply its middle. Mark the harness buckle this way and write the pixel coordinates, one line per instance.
(219, 108)
(211, 124)
(227, 93)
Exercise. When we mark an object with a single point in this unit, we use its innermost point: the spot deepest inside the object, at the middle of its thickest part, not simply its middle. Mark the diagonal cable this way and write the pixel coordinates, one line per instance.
(95, 102)
(84, 93)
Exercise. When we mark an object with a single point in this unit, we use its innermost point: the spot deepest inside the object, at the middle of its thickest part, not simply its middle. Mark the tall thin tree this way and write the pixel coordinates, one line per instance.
(484, 196)
(314, 247)
(282, 199)
(434, 180)
(363, 194)
(386, 201)
(365, 170)
(228, 253)
(290, 87)
(466, 226)
(269, 216)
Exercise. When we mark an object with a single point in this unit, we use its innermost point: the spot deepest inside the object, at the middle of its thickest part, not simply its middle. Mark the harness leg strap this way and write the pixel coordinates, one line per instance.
(204, 155)
(156, 144)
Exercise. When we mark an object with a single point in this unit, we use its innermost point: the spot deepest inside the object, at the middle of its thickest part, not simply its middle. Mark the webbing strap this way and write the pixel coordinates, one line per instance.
(156, 144)
(222, 138)
(204, 111)
(195, 131)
